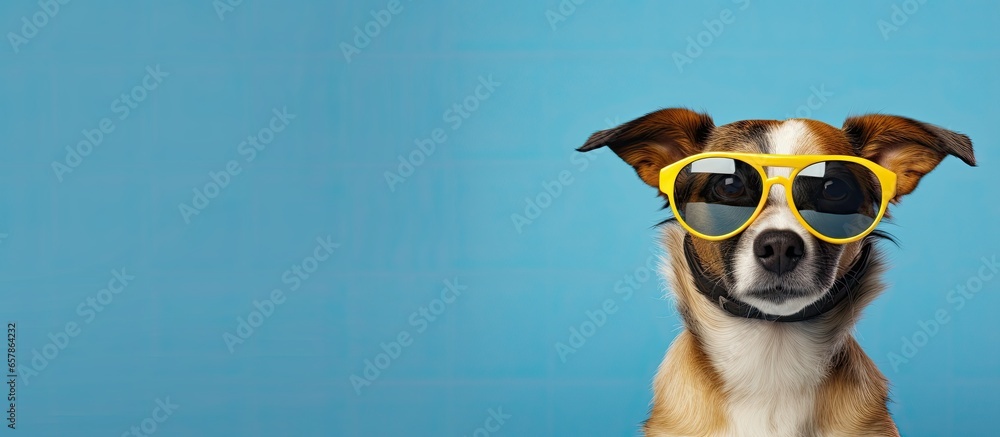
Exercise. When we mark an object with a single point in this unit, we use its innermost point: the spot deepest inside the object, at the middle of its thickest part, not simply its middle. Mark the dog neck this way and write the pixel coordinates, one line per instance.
(769, 377)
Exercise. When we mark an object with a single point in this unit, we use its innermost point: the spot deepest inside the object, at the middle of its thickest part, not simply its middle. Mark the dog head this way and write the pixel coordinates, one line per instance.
(775, 264)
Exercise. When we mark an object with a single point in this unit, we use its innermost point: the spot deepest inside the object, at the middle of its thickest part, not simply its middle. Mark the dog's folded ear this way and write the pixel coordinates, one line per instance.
(655, 140)
(908, 147)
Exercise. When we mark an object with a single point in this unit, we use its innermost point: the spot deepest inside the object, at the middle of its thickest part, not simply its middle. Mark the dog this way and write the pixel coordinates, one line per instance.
(768, 281)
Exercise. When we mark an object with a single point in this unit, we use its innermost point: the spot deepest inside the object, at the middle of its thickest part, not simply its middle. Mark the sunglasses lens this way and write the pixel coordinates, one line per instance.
(715, 196)
(838, 199)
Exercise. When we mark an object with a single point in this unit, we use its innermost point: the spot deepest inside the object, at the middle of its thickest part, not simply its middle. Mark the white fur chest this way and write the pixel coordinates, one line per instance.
(770, 372)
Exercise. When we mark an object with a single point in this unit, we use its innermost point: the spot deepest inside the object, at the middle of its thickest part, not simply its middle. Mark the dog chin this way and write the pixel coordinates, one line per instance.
(780, 302)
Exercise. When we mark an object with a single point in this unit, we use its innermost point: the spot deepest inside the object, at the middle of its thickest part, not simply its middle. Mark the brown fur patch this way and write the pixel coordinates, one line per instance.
(852, 400)
(711, 256)
(746, 136)
(908, 147)
(688, 396)
(826, 140)
(655, 140)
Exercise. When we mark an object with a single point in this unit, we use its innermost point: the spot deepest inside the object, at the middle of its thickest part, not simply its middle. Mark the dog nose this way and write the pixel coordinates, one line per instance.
(779, 251)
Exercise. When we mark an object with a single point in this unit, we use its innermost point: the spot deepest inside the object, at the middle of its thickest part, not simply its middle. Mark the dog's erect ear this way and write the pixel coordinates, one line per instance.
(655, 140)
(908, 147)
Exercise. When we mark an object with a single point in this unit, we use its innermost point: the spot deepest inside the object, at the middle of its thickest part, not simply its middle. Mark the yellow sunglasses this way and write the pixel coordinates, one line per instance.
(717, 195)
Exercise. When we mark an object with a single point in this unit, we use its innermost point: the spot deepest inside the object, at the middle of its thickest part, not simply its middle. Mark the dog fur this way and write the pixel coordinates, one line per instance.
(730, 376)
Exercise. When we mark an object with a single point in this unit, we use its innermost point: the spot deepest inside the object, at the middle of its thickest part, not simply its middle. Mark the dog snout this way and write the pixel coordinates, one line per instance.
(779, 251)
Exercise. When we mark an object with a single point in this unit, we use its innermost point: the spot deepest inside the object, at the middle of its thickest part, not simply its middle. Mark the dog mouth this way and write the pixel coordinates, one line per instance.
(780, 293)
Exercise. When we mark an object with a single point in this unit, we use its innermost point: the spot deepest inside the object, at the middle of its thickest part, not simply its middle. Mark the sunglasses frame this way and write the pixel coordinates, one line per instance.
(886, 178)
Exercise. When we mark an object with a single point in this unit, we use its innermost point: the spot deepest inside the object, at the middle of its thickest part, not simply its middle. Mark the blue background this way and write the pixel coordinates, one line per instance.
(324, 175)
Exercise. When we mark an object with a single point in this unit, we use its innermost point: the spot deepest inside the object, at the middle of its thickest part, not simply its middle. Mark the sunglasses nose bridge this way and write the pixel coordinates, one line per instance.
(784, 184)
(777, 180)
